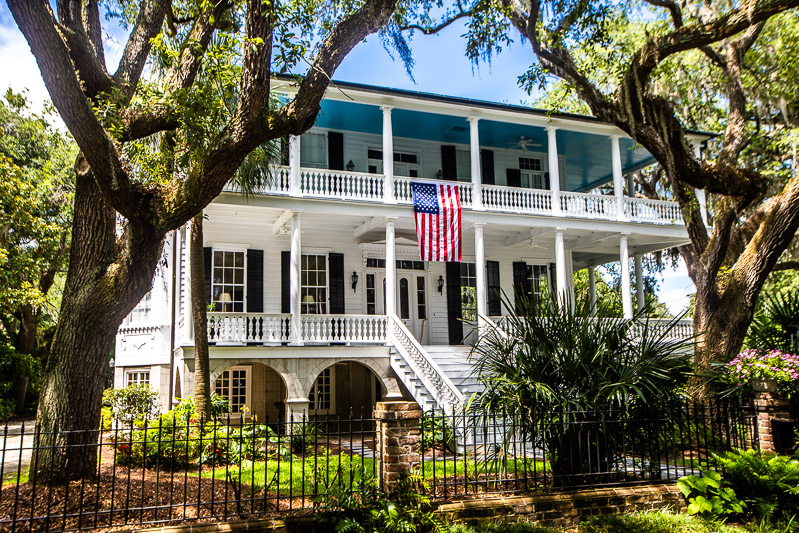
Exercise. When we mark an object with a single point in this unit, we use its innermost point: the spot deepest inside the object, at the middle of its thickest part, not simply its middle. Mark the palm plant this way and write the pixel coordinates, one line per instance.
(776, 326)
(562, 372)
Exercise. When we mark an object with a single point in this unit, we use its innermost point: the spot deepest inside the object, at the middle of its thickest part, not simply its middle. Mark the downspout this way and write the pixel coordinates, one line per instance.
(172, 319)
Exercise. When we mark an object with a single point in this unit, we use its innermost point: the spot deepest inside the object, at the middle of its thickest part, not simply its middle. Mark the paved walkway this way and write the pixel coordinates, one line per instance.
(15, 446)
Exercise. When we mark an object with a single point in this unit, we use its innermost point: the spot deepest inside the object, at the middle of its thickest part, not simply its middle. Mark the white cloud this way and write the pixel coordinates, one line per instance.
(19, 70)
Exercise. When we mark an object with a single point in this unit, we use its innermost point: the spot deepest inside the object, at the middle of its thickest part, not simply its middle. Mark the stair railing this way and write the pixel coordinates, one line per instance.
(443, 390)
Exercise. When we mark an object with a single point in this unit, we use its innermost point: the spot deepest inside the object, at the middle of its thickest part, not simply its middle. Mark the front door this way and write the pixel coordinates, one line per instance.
(411, 298)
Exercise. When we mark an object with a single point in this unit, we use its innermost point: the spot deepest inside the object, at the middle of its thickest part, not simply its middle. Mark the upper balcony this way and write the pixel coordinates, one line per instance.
(364, 187)
(368, 143)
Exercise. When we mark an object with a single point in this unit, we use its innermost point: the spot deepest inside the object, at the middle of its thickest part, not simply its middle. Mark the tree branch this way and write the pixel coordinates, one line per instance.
(432, 30)
(674, 10)
(786, 265)
(137, 49)
(256, 63)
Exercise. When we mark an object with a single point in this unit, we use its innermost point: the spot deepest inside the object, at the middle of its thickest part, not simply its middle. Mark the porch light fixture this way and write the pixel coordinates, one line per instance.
(439, 175)
(440, 284)
(350, 165)
(354, 280)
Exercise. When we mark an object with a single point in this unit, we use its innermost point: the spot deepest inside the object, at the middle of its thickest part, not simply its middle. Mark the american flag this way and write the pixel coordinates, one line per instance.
(437, 208)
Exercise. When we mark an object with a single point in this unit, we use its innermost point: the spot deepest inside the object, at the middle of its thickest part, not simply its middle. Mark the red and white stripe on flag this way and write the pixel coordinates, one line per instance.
(437, 210)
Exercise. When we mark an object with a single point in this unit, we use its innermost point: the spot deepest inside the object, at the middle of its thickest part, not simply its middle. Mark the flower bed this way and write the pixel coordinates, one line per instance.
(751, 365)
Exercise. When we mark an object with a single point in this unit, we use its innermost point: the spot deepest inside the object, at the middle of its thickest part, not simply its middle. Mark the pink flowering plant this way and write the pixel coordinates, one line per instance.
(752, 365)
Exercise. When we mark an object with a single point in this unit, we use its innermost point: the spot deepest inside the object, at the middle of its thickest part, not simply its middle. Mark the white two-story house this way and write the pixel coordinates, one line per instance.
(320, 301)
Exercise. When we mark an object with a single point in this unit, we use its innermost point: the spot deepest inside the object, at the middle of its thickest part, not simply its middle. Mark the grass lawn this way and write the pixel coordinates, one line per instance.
(293, 475)
(473, 469)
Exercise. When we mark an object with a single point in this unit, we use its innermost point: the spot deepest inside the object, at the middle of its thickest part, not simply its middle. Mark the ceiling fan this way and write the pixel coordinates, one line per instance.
(534, 244)
(524, 143)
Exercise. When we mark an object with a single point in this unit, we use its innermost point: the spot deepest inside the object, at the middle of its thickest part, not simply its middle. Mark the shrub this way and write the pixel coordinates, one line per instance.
(707, 498)
(6, 408)
(106, 418)
(434, 432)
(652, 522)
(759, 364)
(132, 403)
(767, 482)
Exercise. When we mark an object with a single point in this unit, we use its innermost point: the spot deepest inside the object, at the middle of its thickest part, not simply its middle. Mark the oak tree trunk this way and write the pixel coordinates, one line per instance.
(96, 299)
(202, 367)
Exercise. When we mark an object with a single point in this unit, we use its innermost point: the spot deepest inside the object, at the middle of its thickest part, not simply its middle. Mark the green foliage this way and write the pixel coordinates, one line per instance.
(365, 508)
(14, 365)
(6, 408)
(767, 482)
(706, 497)
(558, 356)
(517, 527)
(652, 522)
(106, 418)
(132, 403)
(434, 432)
(776, 324)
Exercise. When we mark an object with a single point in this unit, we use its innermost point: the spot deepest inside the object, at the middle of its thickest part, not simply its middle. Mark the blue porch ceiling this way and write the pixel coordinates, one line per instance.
(588, 157)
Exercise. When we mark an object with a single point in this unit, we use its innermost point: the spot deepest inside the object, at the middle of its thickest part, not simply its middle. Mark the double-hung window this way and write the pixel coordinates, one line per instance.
(233, 384)
(227, 289)
(312, 150)
(532, 173)
(538, 282)
(141, 313)
(137, 377)
(313, 293)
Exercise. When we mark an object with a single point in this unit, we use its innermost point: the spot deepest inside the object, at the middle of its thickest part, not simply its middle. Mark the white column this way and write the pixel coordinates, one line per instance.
(477, 178)
(295, 272)
(560, 267)
(297, 409)
(618, 179)
(388, 155)
(626, 291)
(639, 282)
(295, 188)
(480, 271)
(391, 269)
(592, 289)
(554, 171)
(701, 195)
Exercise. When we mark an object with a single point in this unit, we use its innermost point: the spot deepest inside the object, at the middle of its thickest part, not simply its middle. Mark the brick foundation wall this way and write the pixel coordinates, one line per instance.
(563, 508)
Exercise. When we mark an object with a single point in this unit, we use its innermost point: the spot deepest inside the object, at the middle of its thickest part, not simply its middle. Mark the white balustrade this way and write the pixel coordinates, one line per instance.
(653, 211)
(242, 328)
(576, 204)
(343, 328)
(683, 329)
(517, 200)
(360, 186)
(341, 184)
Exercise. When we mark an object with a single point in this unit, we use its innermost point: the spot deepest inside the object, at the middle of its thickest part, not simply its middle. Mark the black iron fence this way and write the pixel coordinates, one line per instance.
(471, 452)
(172, 471)
(176, 470)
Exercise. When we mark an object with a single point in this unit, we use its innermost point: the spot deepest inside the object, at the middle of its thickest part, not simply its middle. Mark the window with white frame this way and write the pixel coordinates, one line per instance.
(468, 292)
(141, 313)
(321, 396)
(137, 377)
(312, 150)
(532, 173)
(405, 163)
(233, 384)
(538, 281)
(313, 293)
(227, 282)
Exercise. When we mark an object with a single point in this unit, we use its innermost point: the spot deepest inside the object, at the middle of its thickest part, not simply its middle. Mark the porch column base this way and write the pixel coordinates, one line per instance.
(297, 409)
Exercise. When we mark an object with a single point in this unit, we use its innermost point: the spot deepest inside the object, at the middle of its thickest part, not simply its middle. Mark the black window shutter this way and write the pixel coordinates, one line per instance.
(487, 167)
(521, 284)
(285, 282)
(492, 277)
(207, 255)
(454, 313)
(553, 279)
(336, 263)
(514, 176)
(255, 281)
(335, 150)
(449, 165)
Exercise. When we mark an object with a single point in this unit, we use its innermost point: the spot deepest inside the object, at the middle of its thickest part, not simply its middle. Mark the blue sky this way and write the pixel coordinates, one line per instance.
(440, 67)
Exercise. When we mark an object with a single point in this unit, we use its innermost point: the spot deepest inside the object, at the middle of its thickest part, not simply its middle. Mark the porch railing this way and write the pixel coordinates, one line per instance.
(683, 329)
(360, 186)
(262, 328)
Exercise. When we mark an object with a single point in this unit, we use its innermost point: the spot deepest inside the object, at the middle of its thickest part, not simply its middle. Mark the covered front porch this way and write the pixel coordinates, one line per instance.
(306, 276)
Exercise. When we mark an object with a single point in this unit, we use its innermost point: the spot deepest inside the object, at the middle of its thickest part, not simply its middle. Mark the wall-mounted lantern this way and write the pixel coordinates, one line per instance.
(354, 280)
(440, 284)
(350, 165)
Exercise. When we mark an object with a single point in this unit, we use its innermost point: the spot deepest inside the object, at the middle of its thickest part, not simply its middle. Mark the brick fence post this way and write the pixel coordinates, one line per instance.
(397, 441)
(769, 407)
